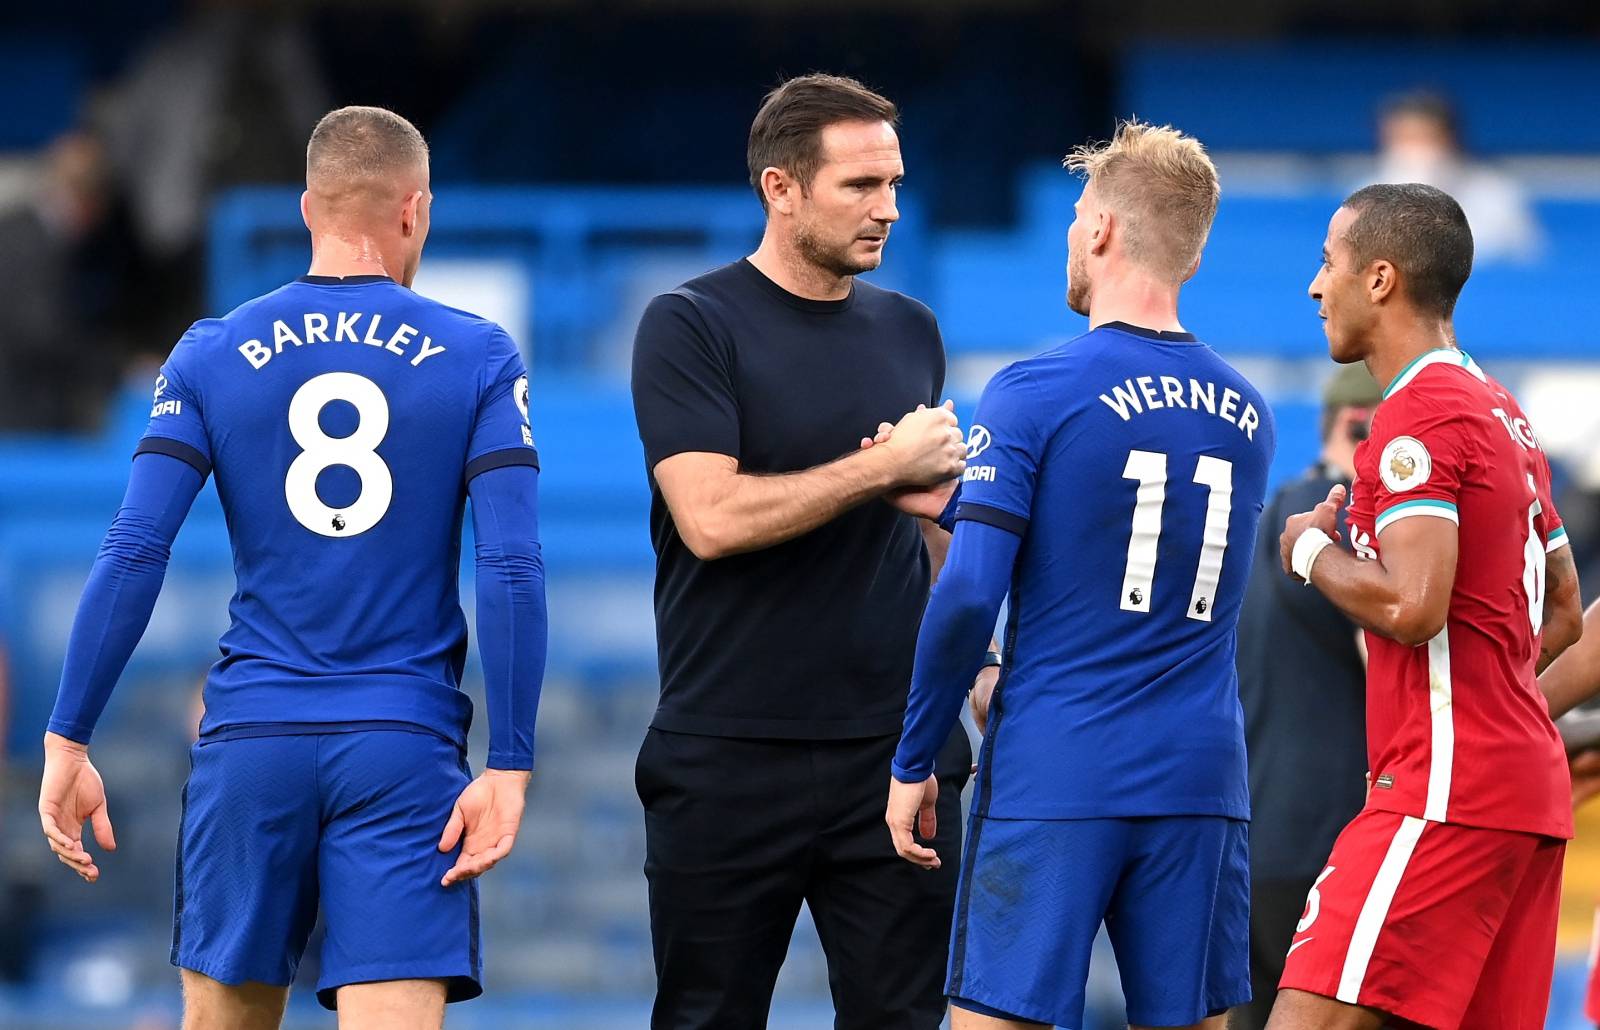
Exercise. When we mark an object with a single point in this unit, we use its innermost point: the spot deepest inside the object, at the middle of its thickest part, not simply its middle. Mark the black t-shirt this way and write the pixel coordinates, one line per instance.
(813, 638)
(1303, 687)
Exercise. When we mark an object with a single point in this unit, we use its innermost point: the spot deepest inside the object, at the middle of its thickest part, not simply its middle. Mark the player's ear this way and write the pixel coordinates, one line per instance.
(409, 213)
(1192, 270)
(778, 189)
(305, 208)
(1381, 280)
(1105, 223)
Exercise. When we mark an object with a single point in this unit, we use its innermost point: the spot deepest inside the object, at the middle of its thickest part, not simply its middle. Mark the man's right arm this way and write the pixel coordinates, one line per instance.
(1574, 677)
(687, 408)
(721, 511)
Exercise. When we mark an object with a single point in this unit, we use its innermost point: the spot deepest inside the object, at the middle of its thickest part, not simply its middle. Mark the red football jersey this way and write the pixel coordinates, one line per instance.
(1457, 730)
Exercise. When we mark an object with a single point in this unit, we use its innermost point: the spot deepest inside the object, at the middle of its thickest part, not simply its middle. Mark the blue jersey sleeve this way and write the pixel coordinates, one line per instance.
(122, 589)
(177, 425)
(950, 646)
(512, 619)
(501, 433)
(1004, 448)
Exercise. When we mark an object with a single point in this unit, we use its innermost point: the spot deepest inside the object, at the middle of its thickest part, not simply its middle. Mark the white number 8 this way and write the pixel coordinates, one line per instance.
(358, 451)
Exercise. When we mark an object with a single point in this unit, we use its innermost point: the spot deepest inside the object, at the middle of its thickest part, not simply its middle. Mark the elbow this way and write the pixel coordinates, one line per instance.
(1412, 625)
(707, 538)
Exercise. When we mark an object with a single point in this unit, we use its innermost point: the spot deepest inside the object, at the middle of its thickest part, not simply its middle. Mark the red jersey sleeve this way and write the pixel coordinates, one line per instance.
(1425, 445)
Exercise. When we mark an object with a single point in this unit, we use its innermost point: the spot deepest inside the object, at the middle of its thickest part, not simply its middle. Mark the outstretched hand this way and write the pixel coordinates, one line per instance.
(484, 822)
(912, 805)
(1324, 516)
(70, 792)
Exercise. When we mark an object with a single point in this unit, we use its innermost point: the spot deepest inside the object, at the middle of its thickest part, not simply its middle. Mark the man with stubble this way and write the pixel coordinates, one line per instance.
(792, 566)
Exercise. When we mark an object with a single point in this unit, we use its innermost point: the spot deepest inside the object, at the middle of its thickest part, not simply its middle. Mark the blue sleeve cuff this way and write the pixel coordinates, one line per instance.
(515, 761)
(991, 516)
(916, 774)
(947, 518)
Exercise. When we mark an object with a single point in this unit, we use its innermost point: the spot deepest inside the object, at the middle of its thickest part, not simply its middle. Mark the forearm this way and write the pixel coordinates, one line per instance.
(1373, 597)
(748, 512)
(121, 590)
(1574, 677)
(513, 633)
(950, 647)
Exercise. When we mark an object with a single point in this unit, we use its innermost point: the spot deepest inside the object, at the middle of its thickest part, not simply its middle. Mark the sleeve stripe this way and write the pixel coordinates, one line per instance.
(174, 449)
(1424, 506)
(991, 516)
(1557, 541)
(499, 460)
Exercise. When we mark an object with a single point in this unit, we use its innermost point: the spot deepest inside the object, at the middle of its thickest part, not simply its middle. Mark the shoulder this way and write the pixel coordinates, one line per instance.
(891, 302)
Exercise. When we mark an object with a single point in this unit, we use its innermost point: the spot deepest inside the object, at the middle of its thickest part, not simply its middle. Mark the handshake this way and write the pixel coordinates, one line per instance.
(925, 453)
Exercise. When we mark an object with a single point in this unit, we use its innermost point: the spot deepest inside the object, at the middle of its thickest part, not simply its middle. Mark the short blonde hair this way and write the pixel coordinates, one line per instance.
(1163, 185)
(355, 148)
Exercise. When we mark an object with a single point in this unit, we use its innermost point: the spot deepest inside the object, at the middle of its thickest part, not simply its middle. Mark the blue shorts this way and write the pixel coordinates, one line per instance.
(1173, 892)
(276, 826)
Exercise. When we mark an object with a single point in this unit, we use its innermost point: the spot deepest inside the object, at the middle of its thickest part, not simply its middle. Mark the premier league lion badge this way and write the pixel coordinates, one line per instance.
(1405, 464)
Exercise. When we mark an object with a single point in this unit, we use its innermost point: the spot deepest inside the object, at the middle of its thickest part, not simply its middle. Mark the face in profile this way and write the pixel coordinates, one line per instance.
(842, 220)
(1340, 290)
(1079, 288)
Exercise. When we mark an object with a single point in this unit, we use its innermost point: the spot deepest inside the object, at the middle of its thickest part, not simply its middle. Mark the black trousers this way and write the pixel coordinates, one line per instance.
(739, 832)
(1276, 906)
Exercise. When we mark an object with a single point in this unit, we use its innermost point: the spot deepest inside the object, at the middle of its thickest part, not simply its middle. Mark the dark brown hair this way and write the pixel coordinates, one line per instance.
(1422, 231)
(787, 132)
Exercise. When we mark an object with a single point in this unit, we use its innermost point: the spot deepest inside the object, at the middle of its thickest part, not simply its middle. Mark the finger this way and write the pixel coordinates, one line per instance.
(72, 858)
(100, 821)
(501, 849)
(922, 407)
(866, 441)
(53, 833)
(452, 830)
(950, 405)
(928, 823)
(916, 854)
(1336, 495)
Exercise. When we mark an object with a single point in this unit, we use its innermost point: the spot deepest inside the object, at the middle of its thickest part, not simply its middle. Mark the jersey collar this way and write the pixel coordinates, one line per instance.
(343, 280)
(1437, 356)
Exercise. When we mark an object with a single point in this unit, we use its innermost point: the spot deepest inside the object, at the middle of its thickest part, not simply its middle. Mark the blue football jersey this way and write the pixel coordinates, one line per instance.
(343, 419)
(1133, 464)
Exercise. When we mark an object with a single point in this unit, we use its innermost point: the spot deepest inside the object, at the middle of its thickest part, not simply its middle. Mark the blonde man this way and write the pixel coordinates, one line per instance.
(1113, 484)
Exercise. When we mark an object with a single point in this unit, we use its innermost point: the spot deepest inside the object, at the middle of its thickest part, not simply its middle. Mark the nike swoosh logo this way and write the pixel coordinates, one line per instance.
(1297, 944)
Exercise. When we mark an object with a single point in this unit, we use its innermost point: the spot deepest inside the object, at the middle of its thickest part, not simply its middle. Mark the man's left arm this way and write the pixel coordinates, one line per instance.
(1563, 623)
(950, 650)
(1403, 595)
(1574, 677)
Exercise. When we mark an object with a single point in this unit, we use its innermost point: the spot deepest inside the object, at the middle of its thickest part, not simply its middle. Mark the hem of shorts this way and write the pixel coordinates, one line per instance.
(1021, 1010)
(461, 982)
(887, 724)
(1239, 995)
(231, 975)
(1397, 1007)
(1171, 810)
(1566, 831)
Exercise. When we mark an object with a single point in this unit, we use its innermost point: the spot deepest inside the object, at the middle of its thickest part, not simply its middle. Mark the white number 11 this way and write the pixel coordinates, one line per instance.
(1149, 468)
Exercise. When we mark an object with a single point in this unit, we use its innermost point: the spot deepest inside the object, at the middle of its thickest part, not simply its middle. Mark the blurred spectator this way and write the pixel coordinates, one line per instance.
(1302, 681)
(1419, 141)
(55, 368)
(225, 98)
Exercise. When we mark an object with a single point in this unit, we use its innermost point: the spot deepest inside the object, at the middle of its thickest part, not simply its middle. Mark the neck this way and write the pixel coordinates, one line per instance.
(345, 255)
(1137, 300)
(779, 260)
(1405, 342)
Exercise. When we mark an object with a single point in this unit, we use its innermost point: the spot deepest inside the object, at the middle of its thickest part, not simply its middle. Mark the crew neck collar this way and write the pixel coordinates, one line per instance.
(1149, 334)
(792, 299)
(343, 280)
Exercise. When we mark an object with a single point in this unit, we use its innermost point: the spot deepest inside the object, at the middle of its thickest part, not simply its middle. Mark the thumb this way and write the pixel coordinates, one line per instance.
(950, 405)
(100, 820)
(1336, 495)
(452, 829)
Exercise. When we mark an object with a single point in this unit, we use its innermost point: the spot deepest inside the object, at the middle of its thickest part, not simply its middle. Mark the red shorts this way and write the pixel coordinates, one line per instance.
(1442, 925)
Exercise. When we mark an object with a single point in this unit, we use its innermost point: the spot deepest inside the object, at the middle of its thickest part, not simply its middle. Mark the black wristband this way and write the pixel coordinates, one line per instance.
(992, 660)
